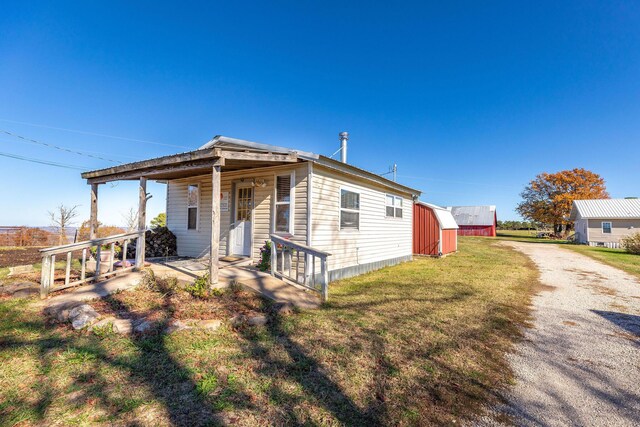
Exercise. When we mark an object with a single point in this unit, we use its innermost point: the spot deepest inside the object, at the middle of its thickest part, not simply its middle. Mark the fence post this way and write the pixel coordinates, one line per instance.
(45, 275)
(98, 266)
(274, 258)
(325, 279)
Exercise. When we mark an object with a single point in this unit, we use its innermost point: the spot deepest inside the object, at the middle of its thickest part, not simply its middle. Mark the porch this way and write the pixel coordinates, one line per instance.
(203, 221)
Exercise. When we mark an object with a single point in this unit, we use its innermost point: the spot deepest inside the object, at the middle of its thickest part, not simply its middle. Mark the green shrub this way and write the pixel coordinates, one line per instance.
(632, 243)
(265, 257)
(199, 288)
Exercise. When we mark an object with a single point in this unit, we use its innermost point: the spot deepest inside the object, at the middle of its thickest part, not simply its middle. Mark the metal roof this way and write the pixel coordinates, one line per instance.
(606, 208)
(443, 215)
(227, 142)
(473, 215)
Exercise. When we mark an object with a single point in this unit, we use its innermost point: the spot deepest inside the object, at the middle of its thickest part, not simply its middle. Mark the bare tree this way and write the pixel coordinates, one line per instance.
(131, 219)
(62, 218)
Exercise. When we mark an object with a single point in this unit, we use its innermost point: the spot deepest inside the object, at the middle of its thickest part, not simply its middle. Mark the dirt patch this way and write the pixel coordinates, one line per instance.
(570, 323)
(12, 256)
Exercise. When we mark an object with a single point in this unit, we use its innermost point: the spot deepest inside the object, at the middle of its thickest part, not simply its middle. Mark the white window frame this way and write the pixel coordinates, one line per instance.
(358, 211)
(197, 207)
(291, 203)
(394, 205)
(610, 227)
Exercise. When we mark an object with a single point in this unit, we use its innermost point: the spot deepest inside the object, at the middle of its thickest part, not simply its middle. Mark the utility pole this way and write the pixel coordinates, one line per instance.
(395, 171)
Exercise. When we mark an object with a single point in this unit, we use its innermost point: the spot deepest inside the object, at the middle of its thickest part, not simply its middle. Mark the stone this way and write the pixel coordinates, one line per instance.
(142, 326)
(82, 316)
(210, 325)
(257, 320)
(119, 326)
(176, 326)
(20, 269)
(284, 309)
(237, 320)
(61, 311)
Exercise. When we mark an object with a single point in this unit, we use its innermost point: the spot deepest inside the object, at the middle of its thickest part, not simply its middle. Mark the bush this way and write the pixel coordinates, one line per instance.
(163, 285)
(199, 288)
(265, 257)
(632, 243)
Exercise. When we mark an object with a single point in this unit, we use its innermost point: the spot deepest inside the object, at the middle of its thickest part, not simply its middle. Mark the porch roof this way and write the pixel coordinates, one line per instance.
(231, 154)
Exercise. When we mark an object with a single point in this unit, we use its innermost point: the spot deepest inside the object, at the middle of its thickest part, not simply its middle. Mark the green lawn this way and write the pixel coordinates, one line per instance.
(614, 257)
(525, 236)
(419, 343)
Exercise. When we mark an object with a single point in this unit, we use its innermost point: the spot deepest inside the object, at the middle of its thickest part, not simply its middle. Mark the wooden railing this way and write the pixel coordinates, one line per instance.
(102, 268)
(299, 263)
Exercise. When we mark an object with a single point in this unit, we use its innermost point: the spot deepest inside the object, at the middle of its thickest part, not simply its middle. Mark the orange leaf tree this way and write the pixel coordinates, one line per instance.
(548, 198)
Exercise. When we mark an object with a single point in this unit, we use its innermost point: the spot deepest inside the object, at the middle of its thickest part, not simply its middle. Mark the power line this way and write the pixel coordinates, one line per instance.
(57, 147)
(94, 134)
(42, 162)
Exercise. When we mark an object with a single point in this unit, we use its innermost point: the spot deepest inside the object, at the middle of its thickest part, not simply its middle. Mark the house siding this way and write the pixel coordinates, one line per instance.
(197, 243)
(380, 241)
(619, 228)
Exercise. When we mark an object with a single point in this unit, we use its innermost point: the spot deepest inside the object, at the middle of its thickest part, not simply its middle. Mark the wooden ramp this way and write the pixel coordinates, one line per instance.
(249, 277)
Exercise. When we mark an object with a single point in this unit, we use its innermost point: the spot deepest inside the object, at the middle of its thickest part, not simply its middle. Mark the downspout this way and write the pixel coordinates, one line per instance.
(309, 203)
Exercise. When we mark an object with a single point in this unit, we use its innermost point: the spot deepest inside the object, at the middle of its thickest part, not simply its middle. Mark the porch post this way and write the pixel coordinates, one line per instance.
(215, 225)
(93, 218)
(142, 223)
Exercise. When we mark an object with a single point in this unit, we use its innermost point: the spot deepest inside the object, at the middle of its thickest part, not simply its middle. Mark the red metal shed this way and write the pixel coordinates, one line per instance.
(475, 220)
(434, 230)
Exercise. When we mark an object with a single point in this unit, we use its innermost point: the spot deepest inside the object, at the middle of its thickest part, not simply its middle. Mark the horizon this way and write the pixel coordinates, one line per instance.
(471, 101)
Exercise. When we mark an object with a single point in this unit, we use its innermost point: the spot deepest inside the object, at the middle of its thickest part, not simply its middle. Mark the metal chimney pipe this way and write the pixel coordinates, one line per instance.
(344, 137)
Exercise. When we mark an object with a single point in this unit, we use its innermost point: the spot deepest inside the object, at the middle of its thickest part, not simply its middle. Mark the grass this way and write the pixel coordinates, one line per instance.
(422, 343)
(528, 236)
(614, 257)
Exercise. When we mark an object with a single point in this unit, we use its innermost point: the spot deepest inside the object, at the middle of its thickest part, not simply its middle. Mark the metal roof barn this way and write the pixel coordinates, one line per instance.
(475, 220)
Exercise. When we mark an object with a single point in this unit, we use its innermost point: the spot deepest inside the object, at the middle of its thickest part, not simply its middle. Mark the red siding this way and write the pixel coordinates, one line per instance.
(449, 241)
(477, 230)
(426, 233)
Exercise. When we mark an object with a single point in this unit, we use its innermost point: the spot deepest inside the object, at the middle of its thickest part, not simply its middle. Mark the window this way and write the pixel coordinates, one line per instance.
(606, 227)
(283, 204)
(393, 206)
(193, 199)
(349, 210)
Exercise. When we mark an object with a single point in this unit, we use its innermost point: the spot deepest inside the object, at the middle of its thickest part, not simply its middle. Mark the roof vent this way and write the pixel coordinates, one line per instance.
(344, 137)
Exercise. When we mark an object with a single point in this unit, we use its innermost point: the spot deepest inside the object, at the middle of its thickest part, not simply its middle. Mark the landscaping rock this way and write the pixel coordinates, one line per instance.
(142, 326)
(237, 320)
(284, 309)
(176, 326)
(21, 290)
(82, 316)
(60, 312)
(257, 320)
(120, 326)
(210, 325)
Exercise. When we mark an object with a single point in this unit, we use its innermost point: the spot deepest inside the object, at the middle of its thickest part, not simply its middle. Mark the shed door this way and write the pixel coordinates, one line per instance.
(241, 230)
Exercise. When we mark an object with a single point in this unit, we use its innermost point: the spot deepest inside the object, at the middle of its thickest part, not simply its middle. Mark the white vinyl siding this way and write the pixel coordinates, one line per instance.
(377, 238)
(196, 243)
(619, 229)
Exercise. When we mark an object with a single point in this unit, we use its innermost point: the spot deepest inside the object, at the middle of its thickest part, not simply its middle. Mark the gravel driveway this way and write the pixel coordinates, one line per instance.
(580, 362)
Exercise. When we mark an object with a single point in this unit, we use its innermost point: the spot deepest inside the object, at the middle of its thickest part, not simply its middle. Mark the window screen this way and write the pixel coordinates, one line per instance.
(193, 198)
(606, 227)
(393, 206)
(283, 204)
(349, 210)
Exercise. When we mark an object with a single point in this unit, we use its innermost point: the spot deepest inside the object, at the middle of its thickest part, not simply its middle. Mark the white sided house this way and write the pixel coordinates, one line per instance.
(604, 222)
(232, 196)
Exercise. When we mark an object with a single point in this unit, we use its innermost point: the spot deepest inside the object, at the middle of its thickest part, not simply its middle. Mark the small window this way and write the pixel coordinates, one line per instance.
(606, 227)
(393, 206)
(193, 199)
(349, 210)
(283, 204)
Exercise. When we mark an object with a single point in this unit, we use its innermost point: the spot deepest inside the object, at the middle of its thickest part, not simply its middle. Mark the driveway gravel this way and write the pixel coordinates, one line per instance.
(579, 363)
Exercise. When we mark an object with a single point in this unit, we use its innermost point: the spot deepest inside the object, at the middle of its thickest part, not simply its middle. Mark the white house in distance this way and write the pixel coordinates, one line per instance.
(234, 195)
(604, 222)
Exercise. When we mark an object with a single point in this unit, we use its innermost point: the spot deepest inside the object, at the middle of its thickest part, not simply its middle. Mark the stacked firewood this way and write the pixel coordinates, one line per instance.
(159, 242)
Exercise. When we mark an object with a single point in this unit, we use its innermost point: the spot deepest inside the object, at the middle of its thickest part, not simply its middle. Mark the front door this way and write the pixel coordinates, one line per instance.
(241, 230)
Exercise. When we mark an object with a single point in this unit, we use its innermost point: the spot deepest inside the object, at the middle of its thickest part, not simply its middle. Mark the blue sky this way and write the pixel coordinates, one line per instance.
(470, 99)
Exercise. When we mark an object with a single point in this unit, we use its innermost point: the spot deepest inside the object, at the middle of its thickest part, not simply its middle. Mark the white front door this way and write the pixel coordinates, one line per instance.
(241, 229)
